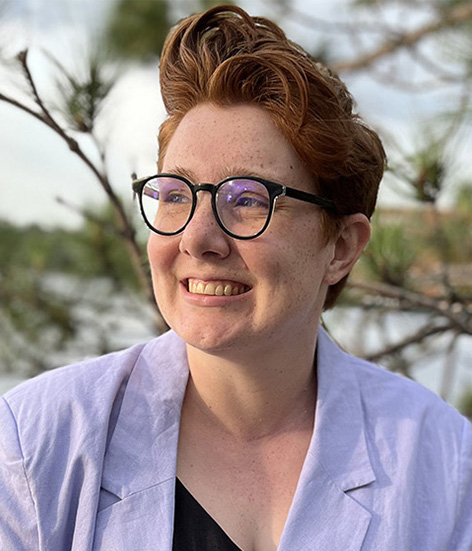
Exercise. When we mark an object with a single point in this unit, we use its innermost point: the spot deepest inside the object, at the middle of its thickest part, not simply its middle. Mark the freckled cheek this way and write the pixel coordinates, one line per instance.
(160, 255)
(152, 253)
(161, 260)
(277, 268)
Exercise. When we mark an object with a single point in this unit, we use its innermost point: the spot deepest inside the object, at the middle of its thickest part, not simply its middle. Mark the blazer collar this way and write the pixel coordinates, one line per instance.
(142, 448)
(323, 514)
(339, 441)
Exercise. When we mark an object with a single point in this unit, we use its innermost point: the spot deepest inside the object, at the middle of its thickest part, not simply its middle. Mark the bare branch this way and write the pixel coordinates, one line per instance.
(416, 338)
(440, 306)
(49, 120)
(23, 59)
(15, 103)
(434, 68)
(457, 15)
(389, 78)
(86, 214)
(439, 78)
(310, 20)
(124, 225)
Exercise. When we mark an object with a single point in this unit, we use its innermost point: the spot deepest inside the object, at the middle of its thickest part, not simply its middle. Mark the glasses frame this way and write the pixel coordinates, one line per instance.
(274, 190)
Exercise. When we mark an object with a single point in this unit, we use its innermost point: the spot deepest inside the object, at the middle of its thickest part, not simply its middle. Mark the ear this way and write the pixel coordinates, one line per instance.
(348, 246)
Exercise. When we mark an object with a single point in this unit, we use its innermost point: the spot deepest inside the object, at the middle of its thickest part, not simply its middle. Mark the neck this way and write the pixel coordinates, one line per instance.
(252, 397)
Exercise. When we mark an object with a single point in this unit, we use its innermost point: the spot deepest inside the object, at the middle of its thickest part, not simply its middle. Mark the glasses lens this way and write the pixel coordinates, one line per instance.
(243, 206)
(167, 203)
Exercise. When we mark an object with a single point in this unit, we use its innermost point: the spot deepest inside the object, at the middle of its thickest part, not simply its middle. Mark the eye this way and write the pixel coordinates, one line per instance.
(251, 201)
(175, 197)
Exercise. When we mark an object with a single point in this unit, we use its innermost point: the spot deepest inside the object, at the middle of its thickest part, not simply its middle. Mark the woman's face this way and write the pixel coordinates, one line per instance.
(277, 281)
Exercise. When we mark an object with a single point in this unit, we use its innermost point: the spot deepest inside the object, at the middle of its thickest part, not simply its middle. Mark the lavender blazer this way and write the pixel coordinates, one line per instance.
(88, 458)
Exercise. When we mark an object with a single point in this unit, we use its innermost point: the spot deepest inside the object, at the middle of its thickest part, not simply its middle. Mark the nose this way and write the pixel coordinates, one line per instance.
(202, 235)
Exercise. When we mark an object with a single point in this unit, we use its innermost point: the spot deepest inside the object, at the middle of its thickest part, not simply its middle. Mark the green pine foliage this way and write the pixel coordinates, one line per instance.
(93, 251)
(137, 28)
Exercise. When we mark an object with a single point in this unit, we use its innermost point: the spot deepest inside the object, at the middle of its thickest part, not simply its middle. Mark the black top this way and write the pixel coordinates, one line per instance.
(194, 528)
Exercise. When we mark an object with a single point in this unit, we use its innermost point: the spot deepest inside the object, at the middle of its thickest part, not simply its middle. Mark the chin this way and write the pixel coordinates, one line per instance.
(210, 338)
(209, 341)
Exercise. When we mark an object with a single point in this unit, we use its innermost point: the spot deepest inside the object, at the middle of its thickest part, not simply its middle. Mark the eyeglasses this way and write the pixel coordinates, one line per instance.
(242, 205)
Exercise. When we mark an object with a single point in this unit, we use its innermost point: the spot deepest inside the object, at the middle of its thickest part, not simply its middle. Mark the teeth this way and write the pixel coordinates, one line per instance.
(209, 289)
(215, 288)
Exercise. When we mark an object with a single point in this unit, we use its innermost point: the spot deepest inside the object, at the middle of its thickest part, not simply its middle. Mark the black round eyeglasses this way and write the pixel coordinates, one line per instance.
(242, 205)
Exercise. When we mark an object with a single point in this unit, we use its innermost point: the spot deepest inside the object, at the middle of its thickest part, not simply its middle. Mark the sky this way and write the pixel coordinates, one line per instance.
(36, 166)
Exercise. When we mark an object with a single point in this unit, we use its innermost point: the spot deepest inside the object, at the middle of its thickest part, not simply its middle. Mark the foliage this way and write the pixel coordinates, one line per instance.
(83, 97)
(454, 235)
(29, 311)
(93, 251)
(430, 172)
(44, 279)
(122, 221)
(137, 28)
(389, 255)
(465, 403)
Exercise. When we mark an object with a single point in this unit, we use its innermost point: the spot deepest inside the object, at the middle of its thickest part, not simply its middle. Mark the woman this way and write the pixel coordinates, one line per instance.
(244, 427)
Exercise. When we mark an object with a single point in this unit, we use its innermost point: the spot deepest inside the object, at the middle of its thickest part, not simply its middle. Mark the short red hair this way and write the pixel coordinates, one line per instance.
(224, 56)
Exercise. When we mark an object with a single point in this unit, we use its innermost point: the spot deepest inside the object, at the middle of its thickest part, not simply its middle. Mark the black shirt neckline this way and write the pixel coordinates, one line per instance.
(194, 528)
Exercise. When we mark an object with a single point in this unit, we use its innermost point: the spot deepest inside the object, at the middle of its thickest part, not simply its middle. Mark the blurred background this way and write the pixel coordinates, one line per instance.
(79, 114)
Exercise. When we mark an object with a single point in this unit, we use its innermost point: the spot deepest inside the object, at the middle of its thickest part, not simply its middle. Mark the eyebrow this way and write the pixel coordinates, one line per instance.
(238, 171)
(226, 173)
(181, 171)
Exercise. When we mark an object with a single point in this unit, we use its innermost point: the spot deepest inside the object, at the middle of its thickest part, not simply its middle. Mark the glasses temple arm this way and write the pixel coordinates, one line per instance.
(322, 202)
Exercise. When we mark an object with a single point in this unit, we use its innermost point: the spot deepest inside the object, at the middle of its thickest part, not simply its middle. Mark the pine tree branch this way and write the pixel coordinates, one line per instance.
(125, 227)
(455, 16)
(416, 338)
(461, 321)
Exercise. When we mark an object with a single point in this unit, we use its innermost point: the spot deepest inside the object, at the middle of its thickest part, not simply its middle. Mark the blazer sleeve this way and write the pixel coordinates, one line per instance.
(462, 539)
(18, 519)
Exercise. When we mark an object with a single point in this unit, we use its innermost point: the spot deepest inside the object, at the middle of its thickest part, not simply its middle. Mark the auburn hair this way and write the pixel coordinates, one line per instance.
(225, 56)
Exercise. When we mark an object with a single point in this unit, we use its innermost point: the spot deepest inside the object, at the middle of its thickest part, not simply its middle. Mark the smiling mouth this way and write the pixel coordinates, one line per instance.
(216, 288)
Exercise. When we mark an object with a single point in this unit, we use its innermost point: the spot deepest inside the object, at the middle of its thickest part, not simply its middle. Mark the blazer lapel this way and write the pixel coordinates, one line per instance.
(138, 480)
(323, 514)
(323, 517)
(139, 522)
